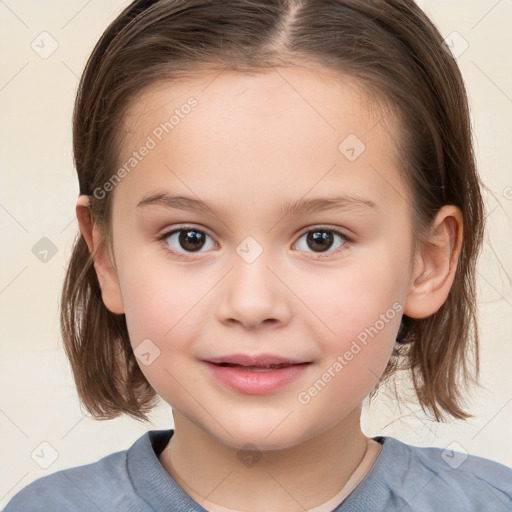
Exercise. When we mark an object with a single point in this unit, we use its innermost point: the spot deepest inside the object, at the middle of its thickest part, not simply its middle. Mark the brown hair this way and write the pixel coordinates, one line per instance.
(392, 49)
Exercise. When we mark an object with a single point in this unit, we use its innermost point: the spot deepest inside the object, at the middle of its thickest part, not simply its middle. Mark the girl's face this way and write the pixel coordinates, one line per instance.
(262, 268)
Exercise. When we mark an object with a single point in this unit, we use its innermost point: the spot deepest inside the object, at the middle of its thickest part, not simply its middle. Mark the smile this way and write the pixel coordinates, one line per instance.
(255, 379)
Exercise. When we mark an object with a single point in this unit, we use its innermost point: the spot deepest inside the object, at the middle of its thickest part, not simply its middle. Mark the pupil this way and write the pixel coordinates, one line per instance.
(319, 240)
(191, 240)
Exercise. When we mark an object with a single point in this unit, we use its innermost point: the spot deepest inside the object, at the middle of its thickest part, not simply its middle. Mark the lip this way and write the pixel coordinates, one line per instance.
(254, 374)
(254, 359)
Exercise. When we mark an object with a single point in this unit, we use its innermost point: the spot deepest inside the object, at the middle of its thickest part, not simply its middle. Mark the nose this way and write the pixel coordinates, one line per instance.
(253, 295)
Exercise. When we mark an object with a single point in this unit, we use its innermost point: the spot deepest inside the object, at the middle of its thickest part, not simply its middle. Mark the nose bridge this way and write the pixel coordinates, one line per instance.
(252, 294)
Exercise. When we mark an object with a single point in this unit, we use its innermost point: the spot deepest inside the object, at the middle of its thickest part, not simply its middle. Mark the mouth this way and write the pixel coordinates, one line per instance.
(263, 361)
(257, 368)
(255, 375)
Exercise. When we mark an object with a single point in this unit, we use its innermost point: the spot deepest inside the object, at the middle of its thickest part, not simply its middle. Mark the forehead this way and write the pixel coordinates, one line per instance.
(313, 92)
(286, 126)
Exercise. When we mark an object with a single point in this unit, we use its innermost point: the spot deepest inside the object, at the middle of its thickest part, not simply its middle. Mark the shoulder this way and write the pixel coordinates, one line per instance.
(102, 485)
(417, 479)
(453, 479)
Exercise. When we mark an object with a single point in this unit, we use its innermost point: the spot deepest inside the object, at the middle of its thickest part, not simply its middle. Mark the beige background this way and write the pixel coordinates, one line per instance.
(38, 401)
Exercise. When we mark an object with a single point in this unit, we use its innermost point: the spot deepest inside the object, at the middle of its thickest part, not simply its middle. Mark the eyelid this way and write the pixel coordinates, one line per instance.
(313, 227)
(319, 227)
(323, 227)
(326, 227)
(183, 227)
(185, 256)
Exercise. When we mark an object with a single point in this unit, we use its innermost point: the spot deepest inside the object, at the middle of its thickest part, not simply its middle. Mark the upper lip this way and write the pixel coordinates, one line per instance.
(254, 360)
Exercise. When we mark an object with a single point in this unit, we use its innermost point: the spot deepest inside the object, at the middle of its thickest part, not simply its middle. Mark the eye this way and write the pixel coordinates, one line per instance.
(321, 240)
(188, 238)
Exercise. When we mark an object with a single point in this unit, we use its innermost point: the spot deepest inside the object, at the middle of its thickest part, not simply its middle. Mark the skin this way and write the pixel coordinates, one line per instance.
(252, 143)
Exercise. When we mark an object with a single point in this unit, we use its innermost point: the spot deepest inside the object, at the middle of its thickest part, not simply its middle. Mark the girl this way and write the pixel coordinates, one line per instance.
(318, 155)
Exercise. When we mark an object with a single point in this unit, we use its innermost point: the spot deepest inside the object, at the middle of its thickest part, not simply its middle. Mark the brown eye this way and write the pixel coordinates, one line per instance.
(321, 240)
(191, 240)
(186, 240)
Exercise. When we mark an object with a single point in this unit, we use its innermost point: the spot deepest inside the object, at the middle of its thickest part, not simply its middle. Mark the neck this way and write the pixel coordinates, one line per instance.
(303, 476)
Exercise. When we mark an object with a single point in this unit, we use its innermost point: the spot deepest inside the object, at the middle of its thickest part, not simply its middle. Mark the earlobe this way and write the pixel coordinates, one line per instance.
(435, 264)
(105, 271)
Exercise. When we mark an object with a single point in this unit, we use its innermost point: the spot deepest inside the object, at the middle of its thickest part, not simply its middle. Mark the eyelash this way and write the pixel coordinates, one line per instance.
(163, 238)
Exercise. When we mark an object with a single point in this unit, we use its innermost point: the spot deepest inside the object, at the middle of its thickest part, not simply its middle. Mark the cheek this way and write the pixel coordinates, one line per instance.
(360, 310)
(162, 304)
(363, 295)
(162, 323)
(359, 351)
(147, 296)
(355, 355)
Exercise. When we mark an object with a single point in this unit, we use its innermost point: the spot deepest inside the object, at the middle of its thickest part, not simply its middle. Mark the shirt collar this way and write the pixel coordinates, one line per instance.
(152, 482)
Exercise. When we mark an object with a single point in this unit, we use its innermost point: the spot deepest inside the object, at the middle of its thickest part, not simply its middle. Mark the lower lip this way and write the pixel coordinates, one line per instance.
(253, 382)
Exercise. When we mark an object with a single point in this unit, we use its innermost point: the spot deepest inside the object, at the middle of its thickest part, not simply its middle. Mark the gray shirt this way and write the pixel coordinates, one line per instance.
(404, 478)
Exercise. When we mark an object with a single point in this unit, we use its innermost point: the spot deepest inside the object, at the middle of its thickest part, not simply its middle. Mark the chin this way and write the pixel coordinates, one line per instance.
(261, 436)
(260, 443)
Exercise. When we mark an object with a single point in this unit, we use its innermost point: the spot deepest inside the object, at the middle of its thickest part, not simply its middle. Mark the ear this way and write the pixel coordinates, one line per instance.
(435, 264)
(107, 277)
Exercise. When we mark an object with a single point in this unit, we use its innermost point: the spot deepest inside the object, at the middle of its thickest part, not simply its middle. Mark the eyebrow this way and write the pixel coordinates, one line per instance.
(300, 206)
